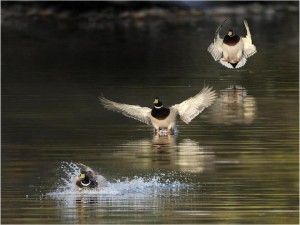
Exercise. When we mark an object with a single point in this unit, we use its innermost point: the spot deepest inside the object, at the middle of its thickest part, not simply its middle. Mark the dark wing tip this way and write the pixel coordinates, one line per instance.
(219, 27)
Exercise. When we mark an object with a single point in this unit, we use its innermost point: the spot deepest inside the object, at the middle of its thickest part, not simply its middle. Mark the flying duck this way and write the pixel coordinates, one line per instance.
(161, 117)
(232, 51)
(88, 179)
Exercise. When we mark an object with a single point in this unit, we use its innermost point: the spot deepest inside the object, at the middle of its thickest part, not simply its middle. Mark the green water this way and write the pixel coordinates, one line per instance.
(241, 166)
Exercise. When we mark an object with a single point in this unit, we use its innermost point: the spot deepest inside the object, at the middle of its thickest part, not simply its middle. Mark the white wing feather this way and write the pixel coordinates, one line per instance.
(133, 111)
(249, 48)
(240, 64)
(226, 64)
(215, 48)
(191, 107)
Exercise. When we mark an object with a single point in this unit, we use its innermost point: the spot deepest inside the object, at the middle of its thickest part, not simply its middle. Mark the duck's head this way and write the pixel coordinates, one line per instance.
(157, 103)
(84, 178)
(230, 33)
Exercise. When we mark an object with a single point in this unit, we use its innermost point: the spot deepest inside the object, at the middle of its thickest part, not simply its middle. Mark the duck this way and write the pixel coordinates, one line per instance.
(88, 179)
(161, 117)
(232, 51)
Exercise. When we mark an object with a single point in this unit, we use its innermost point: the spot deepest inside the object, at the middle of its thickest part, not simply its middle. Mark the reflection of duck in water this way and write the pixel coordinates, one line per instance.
(233, 50)
(88, 179)
(233, 94)
(165, 117)
(164, 152)
(234, 106)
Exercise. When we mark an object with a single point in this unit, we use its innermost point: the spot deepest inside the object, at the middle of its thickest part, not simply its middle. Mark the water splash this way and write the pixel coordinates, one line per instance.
(154, 185)
(68, 171)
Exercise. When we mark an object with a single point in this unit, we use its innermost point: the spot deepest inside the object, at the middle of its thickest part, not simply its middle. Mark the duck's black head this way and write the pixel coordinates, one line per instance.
(231, 38)
(157, 103)
(84, 177)
(230, 33)
(86, 180)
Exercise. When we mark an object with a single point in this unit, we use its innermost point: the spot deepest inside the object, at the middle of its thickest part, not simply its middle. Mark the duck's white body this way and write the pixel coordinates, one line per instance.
(101, 181)
(168, 123)
(233, 53)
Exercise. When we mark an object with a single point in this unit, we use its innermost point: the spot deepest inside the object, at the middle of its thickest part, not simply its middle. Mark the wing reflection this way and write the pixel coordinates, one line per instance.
(194, 158)
(234, 106)
(164, 152)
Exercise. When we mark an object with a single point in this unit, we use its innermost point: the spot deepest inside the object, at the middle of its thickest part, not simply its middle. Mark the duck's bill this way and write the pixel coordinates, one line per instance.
(229, 65)
(82, 176)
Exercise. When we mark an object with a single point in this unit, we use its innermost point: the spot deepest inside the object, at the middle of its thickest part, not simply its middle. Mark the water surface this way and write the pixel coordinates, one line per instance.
(235, 163)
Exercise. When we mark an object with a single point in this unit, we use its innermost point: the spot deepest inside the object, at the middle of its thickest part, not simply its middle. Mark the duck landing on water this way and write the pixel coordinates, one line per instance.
(161, 117)
(88, 179)
(232, 51)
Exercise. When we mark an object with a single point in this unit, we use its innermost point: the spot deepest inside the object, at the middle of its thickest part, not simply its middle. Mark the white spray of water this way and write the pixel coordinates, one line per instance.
(150, 186)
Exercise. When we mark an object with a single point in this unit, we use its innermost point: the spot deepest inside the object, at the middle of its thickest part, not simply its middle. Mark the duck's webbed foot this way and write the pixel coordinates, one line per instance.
(225, 60)
(162, 131)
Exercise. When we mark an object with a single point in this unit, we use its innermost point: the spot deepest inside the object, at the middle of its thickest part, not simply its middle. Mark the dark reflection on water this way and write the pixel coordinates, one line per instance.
(240, 159)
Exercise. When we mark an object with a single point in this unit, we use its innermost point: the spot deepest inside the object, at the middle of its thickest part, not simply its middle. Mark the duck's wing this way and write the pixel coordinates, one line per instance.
(225, 63)
(215, 48)
(133, 111)
(87, 168)
(101, 181)
(240, 64)
(191, 107)
(249, 47)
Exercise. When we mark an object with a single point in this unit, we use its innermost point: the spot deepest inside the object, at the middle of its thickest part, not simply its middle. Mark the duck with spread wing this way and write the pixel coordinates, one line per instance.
(161, 117)
(232, 51)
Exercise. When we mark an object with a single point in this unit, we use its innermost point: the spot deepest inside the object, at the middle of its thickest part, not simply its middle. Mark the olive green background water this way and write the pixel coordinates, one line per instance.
(241, 168)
